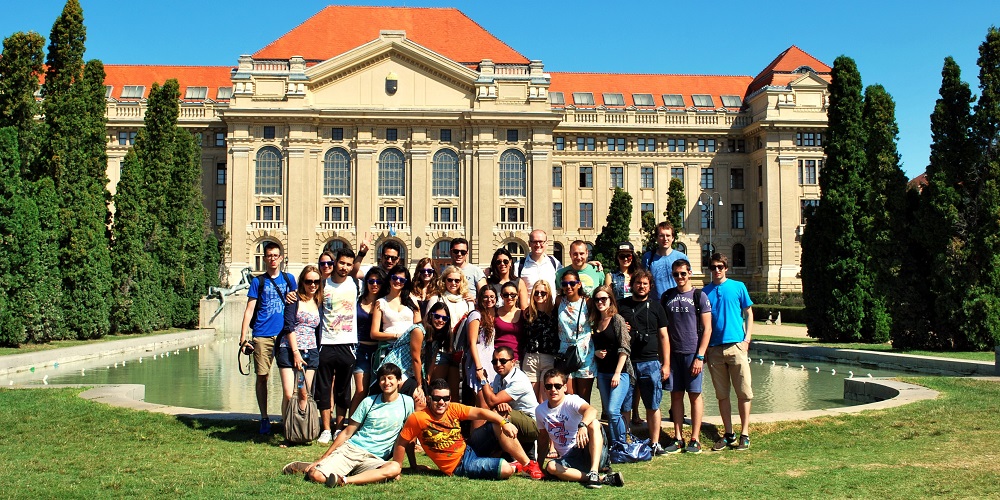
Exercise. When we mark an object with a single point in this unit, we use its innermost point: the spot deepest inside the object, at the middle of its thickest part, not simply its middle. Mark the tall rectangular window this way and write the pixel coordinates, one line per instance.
(708, 216)
(760, 214)
(586, 177)
(391, 134)
(736, 178)
(220, 139)
(737, 216)
(446, 135)
(445, 214)
(808, 207)
(646, 208)
(646, 144)
(220, 174)
(268, 212)
(676, 145)
(646, 177)
(677, 173)
(708, 178)
(586, 215)
(336, 214)
(557, 176)
(618, 177)
(560, 143)
(337, 133)
(511, 214)
(591, 144)
(808, 170)
(557, 220)
(580, 144)
(512, 135)
(269, 132)
(220, 212)
(706, 145)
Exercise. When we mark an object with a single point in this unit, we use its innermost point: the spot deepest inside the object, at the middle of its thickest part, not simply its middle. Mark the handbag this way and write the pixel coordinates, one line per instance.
(570, 361)
(630, 449)
(301, 424)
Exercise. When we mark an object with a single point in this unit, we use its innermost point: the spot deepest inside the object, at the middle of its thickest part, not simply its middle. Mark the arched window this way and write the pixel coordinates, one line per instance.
(444, 178)
(335, 244)
(706, 254)
(391, 173)
(441, 254)
(682, 248)
(557, 251)
(739, 255)
(516, 250)
(402, 252)
(512, 174)
(258, 255)
(267, 176)
(337, 173)
(590, 251)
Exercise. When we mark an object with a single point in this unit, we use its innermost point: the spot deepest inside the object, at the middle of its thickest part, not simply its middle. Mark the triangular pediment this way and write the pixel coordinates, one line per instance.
(809, 80)
(391, 46)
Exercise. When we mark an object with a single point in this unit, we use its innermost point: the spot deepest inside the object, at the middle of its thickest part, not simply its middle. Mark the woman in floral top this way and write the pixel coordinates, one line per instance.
(297, 349)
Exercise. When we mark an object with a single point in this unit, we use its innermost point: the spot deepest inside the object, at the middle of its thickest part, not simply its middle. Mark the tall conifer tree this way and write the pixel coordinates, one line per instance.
(616, 230)
(836, 283)
(676, 206)
(136, 281)
(20, 67)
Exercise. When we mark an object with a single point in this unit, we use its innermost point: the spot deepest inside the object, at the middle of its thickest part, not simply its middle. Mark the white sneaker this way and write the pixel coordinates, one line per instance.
(325, 437)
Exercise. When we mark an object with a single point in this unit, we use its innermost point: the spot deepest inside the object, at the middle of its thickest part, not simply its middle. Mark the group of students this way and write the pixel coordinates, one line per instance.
(498, 342)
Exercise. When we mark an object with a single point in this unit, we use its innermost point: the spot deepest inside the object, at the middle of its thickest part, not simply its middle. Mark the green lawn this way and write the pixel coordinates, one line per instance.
(56, 445)
(70, 343)
(970, 355)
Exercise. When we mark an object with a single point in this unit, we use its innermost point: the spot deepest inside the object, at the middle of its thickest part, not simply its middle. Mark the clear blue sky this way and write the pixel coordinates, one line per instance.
(900, 45)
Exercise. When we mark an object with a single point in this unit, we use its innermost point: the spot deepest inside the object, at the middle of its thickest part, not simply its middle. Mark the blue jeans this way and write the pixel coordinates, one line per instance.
(611, 399)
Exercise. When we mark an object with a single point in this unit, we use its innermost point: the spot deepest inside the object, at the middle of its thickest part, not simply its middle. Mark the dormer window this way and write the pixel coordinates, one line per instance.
(557, 98)
(583, 98)
(107, 91)
(196, 93)
(224, 93)
(614, 100)
(643, 99)
(703, 101)
(673, 100)
(732, 101)
(804, 69)
(133, 91)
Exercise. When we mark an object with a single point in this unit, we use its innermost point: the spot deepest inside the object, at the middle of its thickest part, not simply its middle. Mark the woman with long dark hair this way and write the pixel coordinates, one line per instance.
(501, 272)
(298, 351)
(612, 348)
(509, 325)
(425, 280)
(373, 284)
(628, 265)
(479, 351)
(576, 330)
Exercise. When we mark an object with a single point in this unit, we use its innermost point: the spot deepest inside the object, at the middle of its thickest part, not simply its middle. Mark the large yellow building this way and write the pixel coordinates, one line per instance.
(418, 125)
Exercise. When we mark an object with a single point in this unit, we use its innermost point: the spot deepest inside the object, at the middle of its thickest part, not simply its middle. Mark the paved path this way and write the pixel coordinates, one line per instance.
(798, 332)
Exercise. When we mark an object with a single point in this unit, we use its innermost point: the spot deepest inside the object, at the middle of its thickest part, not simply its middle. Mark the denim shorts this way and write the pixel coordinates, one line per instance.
(476, 464)
(680, 373)
(363, 363)
(310, 356)
(649, 384)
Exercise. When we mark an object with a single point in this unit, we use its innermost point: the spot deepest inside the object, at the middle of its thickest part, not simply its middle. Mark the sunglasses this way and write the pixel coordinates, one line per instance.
(601, 300)
(502, 262)
(398, 279)
(501, 361)
(490, 297)
(311, 282)
(459, 252)
(453, 280)
(509, 295)
(374, 281)
(569, 283)
(717, 267)
(438, 399)
(427, 271)
(541, 294)
(624, 256)
(439, 317)
(549, 387)
(682, 274)
(326, 263)
(390, 257)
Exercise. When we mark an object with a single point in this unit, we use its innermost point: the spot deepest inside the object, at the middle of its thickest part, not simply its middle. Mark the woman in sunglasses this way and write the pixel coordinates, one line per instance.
(479, 351)
(452, 290)
(542, 335)
(424, 283)
(575, 330)
(509, 324)
(628, 264)
(501, 272)
(374, 282)
(437, 335)
(395, 311)
(298, 347)
(612, 348)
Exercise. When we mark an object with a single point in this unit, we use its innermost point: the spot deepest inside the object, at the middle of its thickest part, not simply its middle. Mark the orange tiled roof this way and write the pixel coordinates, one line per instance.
(213, 77)
(781, 71)
(338, 29)
(628, 84)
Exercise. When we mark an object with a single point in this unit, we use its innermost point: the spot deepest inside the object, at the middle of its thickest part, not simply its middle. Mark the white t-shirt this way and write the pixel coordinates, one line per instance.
(518, 387)
(473, 275)
(541, 270)
(340, 311)
(562, 422)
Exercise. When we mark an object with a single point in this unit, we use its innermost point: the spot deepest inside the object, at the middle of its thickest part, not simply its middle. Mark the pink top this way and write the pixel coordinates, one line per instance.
(511, 335)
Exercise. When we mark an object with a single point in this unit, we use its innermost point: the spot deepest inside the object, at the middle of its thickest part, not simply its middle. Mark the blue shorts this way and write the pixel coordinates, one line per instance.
(476, 462)
(680, 373)
(649, 384)
(310, 356)
(363, 362)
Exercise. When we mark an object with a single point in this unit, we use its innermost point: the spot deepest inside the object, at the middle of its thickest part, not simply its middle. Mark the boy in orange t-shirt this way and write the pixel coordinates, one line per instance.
(439, 430)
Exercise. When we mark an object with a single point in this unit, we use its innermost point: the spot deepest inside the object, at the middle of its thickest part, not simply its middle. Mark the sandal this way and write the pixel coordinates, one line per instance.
(335, 480)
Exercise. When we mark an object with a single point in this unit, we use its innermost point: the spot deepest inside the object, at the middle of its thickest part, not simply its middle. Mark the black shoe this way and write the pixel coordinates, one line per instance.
(614, 479)
(675, 446)
(728, 440)
(744, 443)
(592, 480)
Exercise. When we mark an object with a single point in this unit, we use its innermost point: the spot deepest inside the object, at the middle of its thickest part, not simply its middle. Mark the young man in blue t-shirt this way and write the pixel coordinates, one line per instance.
(268, 324)
(659, 261)
(732, 319)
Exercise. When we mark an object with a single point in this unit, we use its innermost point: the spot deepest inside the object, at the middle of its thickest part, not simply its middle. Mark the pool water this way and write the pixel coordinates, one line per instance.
(207, 376)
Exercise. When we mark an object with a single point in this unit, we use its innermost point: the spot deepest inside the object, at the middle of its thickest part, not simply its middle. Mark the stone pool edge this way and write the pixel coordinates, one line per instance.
(886, 360)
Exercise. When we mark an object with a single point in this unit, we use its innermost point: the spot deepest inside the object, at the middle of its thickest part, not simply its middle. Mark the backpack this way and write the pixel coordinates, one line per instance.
(260, 293)
(552, 260)
(630, 449)
(670, 294)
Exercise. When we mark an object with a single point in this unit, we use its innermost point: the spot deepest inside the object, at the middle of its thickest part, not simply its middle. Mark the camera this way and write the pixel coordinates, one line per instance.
(247, 347)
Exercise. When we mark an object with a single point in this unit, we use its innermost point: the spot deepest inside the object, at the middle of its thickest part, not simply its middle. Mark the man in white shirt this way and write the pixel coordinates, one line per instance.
(538, 265)
(511, 395)
(340, 335)
(572, 426)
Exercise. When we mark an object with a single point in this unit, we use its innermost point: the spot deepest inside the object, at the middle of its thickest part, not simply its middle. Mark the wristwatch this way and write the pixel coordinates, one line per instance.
(581, 425)
(700, 357)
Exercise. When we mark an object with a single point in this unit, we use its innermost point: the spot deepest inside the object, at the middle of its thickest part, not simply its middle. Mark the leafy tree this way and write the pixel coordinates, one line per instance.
(616, 230)
(136, 280)
(982, 302)
(19, 234)
(835, 279)
(676, 207)
(20, 67)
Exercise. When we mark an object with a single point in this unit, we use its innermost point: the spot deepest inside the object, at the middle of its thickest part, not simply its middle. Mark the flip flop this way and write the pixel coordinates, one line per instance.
(294, 467)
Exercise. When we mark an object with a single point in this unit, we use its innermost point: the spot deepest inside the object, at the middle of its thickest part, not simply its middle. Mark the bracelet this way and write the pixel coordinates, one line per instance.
(700, 357)
(581, 425)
